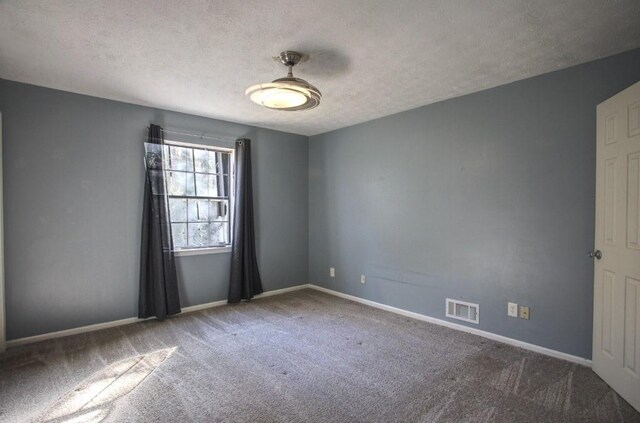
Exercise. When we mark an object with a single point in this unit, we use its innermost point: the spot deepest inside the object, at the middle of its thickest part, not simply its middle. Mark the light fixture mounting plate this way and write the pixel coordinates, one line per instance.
(291, 58)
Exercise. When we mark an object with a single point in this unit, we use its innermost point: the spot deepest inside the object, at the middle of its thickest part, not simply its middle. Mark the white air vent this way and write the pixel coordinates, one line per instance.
(463, 310)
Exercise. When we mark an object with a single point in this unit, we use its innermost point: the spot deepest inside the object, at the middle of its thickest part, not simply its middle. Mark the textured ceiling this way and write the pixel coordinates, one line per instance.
(370, 58)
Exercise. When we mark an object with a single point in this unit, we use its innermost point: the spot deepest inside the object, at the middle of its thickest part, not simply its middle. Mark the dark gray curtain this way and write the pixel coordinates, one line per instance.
(245, 280)
(158, 282)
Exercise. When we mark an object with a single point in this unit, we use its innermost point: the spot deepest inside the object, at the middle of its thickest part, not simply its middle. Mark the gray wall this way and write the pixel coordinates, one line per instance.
(73, 180)
(487, 198)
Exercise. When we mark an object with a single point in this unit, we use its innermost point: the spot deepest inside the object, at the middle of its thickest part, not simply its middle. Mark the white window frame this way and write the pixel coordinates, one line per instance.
(210, 250)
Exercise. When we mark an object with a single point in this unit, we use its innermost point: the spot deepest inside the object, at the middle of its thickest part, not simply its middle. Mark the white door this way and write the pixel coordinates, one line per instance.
(616, 308)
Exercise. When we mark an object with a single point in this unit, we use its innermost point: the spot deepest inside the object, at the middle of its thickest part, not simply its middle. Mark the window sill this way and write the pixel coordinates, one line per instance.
(200, 251)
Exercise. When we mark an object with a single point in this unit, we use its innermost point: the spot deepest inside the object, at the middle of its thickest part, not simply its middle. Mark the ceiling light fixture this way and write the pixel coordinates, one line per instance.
(288, 93)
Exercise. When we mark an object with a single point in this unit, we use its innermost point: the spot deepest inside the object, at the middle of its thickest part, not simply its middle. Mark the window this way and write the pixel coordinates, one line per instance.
(198, 183)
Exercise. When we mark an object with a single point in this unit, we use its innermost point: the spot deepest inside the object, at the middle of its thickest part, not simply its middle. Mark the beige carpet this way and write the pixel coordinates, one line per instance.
(297, 357)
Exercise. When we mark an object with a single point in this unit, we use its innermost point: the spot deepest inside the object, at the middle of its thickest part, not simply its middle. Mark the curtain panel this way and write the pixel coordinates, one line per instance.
(158, 295)
(245, 280)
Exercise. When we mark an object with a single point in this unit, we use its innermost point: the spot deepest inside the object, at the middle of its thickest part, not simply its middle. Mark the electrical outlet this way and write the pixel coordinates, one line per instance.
(363, 279)
(512, 309)
(524, 312)
(332, 272)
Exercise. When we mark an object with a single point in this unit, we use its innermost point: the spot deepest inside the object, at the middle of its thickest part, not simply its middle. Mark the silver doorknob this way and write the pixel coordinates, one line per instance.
(597, 254)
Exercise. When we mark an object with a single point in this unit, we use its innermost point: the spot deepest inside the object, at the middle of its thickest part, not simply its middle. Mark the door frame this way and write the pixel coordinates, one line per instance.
(3, 335)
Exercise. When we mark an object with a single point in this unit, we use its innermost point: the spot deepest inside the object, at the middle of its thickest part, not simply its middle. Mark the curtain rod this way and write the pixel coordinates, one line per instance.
(198, 136)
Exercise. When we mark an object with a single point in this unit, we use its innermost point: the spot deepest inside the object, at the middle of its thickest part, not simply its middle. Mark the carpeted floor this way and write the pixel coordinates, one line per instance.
(297, 357)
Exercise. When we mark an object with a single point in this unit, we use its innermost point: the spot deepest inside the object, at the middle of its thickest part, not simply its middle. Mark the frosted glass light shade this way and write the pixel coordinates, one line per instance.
(287, 94)
(277, 98)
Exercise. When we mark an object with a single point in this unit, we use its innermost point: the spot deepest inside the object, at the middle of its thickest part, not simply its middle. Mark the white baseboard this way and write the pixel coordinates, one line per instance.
(67, 332)
(485, 334)
(282, 291)
(128, 321)
(418, 316)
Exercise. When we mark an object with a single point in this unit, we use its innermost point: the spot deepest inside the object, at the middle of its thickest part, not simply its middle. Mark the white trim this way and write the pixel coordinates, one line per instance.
(411, 314)
(282, 291)
(456, 326)
(130, 320)
(200, 146)
(231, 198)
(3, 333)
(201, 251)
(37, 338)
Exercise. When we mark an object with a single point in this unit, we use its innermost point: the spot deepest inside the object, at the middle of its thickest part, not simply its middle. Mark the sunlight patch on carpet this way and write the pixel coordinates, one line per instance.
(91, 400)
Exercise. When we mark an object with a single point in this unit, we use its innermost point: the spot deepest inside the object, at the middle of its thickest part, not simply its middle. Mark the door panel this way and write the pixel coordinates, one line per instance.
(634, 119)
(616, 314)
(633, 201)
(608, 289)
(631, 327)
(610, 200)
